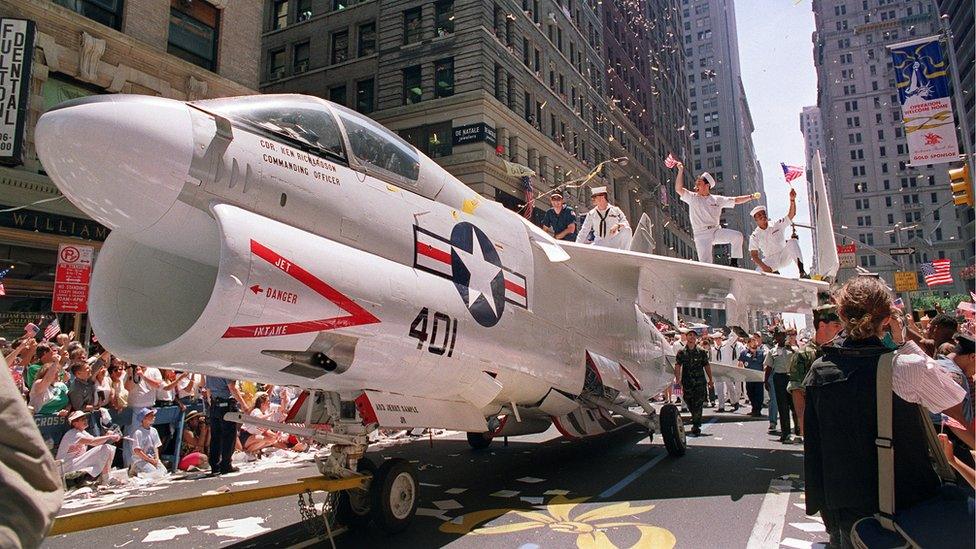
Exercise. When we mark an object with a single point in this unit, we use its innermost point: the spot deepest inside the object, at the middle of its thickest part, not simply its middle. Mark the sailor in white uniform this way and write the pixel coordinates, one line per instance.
(607, 222)
(705, 211)
(770, 240)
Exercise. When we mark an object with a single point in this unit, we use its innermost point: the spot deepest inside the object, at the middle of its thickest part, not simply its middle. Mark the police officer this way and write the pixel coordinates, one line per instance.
(770, 240)
(222, 397)
(827, 325)
(705, 211)
(607, 222)
(560, 220)
(694, 373)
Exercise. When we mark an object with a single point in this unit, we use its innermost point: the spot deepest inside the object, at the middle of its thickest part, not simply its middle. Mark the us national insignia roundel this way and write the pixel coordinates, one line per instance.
(469, 260)
(477, 273)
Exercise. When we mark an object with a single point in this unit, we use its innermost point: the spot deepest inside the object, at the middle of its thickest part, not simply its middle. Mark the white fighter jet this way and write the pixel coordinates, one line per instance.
(289, 240)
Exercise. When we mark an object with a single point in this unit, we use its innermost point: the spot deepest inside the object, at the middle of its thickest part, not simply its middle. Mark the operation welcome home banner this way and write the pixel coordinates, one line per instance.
(922, 80)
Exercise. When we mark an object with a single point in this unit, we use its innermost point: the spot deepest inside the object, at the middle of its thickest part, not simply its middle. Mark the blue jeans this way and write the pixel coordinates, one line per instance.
(773, 413)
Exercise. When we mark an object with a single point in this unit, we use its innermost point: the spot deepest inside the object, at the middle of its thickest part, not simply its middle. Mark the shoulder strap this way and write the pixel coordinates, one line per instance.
(886, 452)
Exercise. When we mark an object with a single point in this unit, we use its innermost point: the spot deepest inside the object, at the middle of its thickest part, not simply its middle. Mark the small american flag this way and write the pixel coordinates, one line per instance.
(670, 162)
(791, 172)
(938, 272)
(3, 291)
(899, 303)
(52, 329)
(529, 196)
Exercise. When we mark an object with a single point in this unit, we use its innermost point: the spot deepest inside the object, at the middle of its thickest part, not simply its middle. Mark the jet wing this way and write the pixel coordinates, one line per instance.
(726, 372)
(662, 283)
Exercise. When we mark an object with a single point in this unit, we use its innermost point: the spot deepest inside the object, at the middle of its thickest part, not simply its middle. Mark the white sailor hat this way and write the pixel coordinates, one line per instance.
(708, 179)
(598, 190)
(756, 210)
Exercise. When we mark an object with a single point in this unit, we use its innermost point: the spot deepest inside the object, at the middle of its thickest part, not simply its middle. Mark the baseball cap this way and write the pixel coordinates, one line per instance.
(966, 342)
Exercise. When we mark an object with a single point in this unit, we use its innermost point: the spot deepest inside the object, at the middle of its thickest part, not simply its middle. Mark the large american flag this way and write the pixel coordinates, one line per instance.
(791, 172)
(938, 272)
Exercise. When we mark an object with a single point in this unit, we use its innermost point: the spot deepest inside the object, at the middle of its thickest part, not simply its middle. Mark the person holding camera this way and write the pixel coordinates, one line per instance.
(141, 383)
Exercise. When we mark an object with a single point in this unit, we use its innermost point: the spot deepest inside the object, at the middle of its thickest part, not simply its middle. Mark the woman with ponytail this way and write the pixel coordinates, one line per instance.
(841, 423)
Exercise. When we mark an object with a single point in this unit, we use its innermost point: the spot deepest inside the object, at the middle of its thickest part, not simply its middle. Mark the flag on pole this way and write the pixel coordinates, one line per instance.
(938, 272)
(670, 162)
(52, 329)
(791, 172)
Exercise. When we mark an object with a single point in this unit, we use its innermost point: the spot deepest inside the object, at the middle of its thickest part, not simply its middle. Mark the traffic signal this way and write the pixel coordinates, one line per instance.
(961, 182)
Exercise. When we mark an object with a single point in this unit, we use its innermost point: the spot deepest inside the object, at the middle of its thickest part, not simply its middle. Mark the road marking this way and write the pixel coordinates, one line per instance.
(624, 482)
(772, 515)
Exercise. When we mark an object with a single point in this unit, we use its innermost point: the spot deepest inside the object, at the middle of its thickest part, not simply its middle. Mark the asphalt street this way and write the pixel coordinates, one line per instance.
(735, 487)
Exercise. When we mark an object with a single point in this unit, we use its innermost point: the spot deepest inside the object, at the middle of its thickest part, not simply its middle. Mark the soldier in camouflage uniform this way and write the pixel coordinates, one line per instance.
(691, 368)
(827, 325)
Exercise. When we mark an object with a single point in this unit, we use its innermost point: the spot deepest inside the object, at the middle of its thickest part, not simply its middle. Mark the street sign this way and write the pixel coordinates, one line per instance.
(908, 250)
(71, 279)
(906, 281)
(846, 255)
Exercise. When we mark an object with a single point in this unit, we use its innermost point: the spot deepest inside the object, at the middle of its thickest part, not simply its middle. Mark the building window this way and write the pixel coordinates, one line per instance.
(193, 33)
(367, 39)
(276, 64)
(411, 26)
(106, 12)
(340, 47)
(279, 17)
(365, 101)
(337, 94)
(434, 140)
(444, 78)
(300, 58)
(444, 18)
(304, 11)
(412, 90)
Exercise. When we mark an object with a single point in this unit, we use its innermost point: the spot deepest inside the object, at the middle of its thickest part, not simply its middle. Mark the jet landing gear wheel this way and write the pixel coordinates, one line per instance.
(479, 441)
(353, 506)
(393, 495)
(673, 431)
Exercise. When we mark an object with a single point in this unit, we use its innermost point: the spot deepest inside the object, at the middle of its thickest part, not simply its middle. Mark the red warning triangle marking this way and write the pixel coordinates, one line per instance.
(357, 315)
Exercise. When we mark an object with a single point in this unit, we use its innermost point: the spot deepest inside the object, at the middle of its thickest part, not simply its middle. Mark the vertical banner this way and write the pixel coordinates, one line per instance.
(922, 80)
(16, 53)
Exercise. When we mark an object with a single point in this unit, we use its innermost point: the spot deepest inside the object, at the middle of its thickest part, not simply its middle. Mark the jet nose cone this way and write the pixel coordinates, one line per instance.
(122, 159)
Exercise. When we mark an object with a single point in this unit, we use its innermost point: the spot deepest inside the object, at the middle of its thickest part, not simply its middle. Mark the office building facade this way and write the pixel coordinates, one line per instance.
(885, 202)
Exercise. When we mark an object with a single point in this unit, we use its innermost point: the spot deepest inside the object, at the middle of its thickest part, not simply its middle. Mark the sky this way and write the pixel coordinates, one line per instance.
(776, 59)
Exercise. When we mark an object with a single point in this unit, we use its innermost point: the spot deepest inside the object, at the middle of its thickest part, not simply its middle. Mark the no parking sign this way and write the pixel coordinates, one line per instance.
(71, 279)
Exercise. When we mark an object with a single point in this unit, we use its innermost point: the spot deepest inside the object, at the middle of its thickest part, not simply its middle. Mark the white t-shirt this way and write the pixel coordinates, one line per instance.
(705, 211)
(197, 380)
(142, 394)
(166, 394)
(919, 379)
(147, 440)
(73, 444)
(272, 415)
(771, 240)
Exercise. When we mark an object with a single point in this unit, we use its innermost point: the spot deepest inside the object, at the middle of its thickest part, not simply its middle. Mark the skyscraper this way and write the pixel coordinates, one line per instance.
(884, 201)
(720, 117)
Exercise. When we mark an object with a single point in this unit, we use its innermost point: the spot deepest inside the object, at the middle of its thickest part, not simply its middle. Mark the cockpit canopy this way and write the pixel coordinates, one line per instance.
(326, 129)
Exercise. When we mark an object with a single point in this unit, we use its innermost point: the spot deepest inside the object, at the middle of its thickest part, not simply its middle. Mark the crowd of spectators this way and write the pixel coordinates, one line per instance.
(109, 410)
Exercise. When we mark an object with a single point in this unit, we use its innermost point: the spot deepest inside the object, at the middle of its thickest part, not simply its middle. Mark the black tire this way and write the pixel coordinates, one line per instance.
(393, 495)
(353, 507)
(673, 431)
(479, 441)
